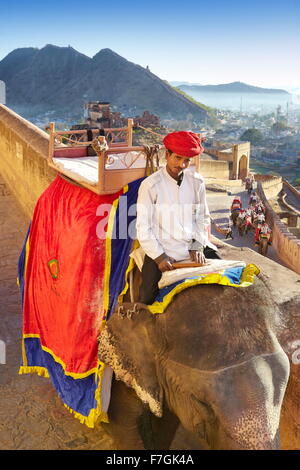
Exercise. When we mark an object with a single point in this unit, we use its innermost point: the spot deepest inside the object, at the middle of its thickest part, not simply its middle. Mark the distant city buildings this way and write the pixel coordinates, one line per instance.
(97, 114)
(2, 92)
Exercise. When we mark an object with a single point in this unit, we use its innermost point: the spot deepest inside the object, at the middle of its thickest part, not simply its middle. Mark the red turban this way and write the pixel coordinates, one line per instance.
(186, 144)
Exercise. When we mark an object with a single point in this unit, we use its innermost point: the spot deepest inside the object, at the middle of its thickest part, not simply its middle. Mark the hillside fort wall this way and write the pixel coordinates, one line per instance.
(286, 244)
(23, 158)
(237, 159)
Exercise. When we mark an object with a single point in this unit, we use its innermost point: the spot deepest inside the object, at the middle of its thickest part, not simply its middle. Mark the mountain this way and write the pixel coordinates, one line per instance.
(61, 79)
(15, 61)
(234, 87)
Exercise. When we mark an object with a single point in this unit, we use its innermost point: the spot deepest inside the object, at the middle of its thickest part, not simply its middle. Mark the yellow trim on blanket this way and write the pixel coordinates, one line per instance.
(91, 419)
(110, 227)
(26, 255)
(96, 413)
(24, 357)
(248, 274)
(130, 267)
(41, 371)
(215, 278)
(74, 375)
(26, 261)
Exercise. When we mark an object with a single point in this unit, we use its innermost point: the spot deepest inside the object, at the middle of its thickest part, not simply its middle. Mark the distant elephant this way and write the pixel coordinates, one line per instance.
(263, 246)
(234, 215)
(213, 362)
(241, 224)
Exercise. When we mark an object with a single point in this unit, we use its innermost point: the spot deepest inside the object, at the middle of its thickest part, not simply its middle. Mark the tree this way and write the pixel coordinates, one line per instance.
(254, 136)
(279, 127)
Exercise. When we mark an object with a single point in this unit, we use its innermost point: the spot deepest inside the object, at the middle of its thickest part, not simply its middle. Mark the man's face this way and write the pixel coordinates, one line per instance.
(176, 163)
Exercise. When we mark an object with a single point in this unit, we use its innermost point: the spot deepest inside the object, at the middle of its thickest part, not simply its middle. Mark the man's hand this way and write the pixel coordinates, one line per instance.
(166, 264)
(197, 256)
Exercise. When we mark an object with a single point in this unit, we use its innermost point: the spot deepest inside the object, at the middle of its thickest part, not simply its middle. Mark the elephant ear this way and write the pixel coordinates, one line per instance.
(128, 345)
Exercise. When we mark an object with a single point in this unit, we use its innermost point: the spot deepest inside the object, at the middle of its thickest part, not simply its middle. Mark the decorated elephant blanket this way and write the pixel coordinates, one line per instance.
(223, 272)
(71, 271)
(215, 271)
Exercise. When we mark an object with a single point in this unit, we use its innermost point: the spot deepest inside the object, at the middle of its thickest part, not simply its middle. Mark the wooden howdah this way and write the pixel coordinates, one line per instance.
(73, 144)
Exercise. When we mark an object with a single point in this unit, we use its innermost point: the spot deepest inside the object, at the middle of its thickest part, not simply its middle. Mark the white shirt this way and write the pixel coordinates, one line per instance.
(170, 217)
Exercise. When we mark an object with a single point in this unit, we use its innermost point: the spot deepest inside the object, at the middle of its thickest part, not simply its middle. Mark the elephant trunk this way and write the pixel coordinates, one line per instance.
(253, 431)
(249, 399)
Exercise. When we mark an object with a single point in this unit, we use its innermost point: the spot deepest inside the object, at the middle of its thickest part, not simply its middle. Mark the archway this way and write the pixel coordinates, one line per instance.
(243, 167)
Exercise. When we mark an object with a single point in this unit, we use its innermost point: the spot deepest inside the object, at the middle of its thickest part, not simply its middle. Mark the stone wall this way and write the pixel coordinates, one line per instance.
(272, 185)
(286, 244)
(23, 159)
(213, 169)
(226, 155)
(294, 190)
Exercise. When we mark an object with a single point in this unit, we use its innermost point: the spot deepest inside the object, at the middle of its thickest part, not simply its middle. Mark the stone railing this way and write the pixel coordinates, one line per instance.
(272, 185)
(291, 188)
(286, 244)
(213, 169)
(23, 159)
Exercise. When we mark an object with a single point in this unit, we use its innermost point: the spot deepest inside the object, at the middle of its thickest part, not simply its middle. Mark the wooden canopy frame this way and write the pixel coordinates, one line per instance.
(71, 144)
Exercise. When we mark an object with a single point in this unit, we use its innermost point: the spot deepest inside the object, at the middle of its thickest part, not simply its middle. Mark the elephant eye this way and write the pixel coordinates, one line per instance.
(204, 421)
(205, 409)
(203, 404)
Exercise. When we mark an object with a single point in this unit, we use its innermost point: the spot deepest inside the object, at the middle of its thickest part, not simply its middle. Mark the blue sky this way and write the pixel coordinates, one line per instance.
(215, 41)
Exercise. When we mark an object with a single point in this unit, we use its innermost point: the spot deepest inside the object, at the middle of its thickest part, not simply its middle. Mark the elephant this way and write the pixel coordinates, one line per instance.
(214, 362)
(234, 215)
(249, 187)
(263, 246)
(241, 225)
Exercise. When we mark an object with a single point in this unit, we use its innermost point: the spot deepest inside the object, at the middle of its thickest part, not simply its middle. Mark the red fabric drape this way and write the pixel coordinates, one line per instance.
(66, 311)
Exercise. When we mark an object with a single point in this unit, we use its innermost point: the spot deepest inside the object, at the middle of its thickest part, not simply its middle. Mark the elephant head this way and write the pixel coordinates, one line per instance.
(213, 359)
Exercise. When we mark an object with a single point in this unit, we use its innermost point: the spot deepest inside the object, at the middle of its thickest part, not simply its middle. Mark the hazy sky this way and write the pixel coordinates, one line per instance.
(206, 42)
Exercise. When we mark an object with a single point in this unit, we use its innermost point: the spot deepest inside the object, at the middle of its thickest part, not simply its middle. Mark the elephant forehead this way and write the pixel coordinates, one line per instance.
(210, 327)
(249, 397)
(242, 385)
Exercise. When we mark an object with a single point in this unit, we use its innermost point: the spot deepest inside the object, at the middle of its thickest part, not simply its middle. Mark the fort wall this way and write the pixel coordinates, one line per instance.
(286, 244)
(23, 159)
(294, 190)
(213, 169)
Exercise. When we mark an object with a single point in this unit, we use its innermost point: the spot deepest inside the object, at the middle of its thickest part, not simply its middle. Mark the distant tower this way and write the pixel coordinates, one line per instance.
(2, 92)
(241, 105)
(287, 113)
(278, 111)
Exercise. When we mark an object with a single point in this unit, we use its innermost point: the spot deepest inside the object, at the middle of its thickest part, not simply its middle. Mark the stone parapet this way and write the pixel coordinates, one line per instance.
(294, 190)
(285, 243)
(23, 158)
(213, 169)
(272, 185)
